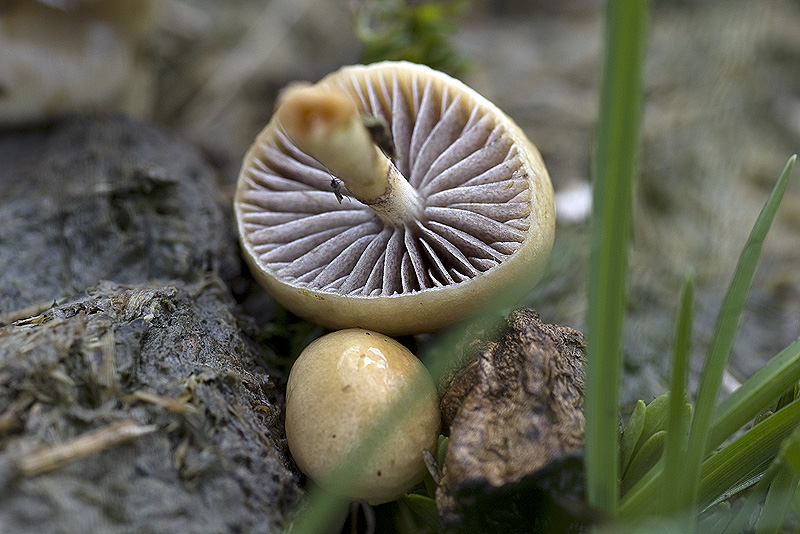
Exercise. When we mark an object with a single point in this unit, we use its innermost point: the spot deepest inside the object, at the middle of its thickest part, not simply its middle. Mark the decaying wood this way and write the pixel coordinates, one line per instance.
(105, 198)
(518, 427)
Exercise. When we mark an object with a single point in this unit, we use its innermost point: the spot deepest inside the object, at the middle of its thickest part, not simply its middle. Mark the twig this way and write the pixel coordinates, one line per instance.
(90, 443)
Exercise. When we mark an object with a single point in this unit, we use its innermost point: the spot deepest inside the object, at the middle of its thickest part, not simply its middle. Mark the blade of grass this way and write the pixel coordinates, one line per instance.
(784, 462)
(425, 508)
(780, 373)
(742, 458)
(777, 503)
(716, 522)
(722, 344)
(756, 393)
(617, 142)
(677, 422)
(766, 385)
(741, 522)
(639, 500)
(631, 434)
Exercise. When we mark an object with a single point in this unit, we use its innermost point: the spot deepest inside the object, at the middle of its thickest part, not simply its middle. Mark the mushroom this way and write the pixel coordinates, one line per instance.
(337, 388)
(392, 197)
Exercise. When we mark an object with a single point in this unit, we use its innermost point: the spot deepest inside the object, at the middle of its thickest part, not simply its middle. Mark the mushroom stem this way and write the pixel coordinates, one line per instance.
(326, 125)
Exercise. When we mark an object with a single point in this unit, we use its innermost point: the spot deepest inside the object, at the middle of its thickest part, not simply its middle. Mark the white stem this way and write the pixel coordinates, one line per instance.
(326, 125)
(401, 204)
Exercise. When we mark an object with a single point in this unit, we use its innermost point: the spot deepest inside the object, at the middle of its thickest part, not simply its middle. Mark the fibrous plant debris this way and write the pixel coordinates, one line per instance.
(516, 434)
(140, 409)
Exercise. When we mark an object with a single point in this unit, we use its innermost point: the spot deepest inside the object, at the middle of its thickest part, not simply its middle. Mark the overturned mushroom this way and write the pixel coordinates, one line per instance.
(392, 197)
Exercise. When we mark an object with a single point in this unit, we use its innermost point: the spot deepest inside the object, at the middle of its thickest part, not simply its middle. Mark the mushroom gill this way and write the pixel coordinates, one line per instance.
(482, 190)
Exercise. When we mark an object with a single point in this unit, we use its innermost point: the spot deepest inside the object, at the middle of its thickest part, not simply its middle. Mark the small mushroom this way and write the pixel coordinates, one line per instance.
(337, 388)
(392, 197)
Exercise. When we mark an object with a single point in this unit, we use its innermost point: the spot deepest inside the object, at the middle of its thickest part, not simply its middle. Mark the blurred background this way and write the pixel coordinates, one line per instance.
(721, 117)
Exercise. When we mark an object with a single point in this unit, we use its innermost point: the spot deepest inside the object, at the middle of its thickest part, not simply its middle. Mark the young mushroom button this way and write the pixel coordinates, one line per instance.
(337, 390)
(392, 197)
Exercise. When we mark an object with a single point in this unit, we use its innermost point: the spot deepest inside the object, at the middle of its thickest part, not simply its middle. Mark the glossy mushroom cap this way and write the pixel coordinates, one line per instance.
(336, 390)
(401, 231)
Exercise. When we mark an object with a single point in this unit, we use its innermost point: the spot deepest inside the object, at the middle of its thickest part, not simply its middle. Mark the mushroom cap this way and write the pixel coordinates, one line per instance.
(336, 388)
(488, 215)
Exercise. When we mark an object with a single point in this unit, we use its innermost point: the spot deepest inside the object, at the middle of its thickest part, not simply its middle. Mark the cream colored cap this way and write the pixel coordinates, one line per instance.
(480, 214)
(337, 389)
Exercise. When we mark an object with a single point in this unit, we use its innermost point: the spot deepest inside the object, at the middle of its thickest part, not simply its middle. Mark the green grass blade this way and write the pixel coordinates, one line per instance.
(641, 498)
(722, 342)
(742, 458)
(631, 434)
(741, 522)
(784, 471)
(766, 385)
(780, 373)
(648, 455)
(618, 137)
(424, 508)
(777, 503)
(677, 422)
(791, 452)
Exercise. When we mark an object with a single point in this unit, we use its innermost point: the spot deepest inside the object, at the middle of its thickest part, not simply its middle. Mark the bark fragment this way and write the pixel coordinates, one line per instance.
(517, 433)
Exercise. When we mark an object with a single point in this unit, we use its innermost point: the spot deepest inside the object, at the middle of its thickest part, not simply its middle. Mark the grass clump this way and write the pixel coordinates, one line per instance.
(421, 33)
(666, 462)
